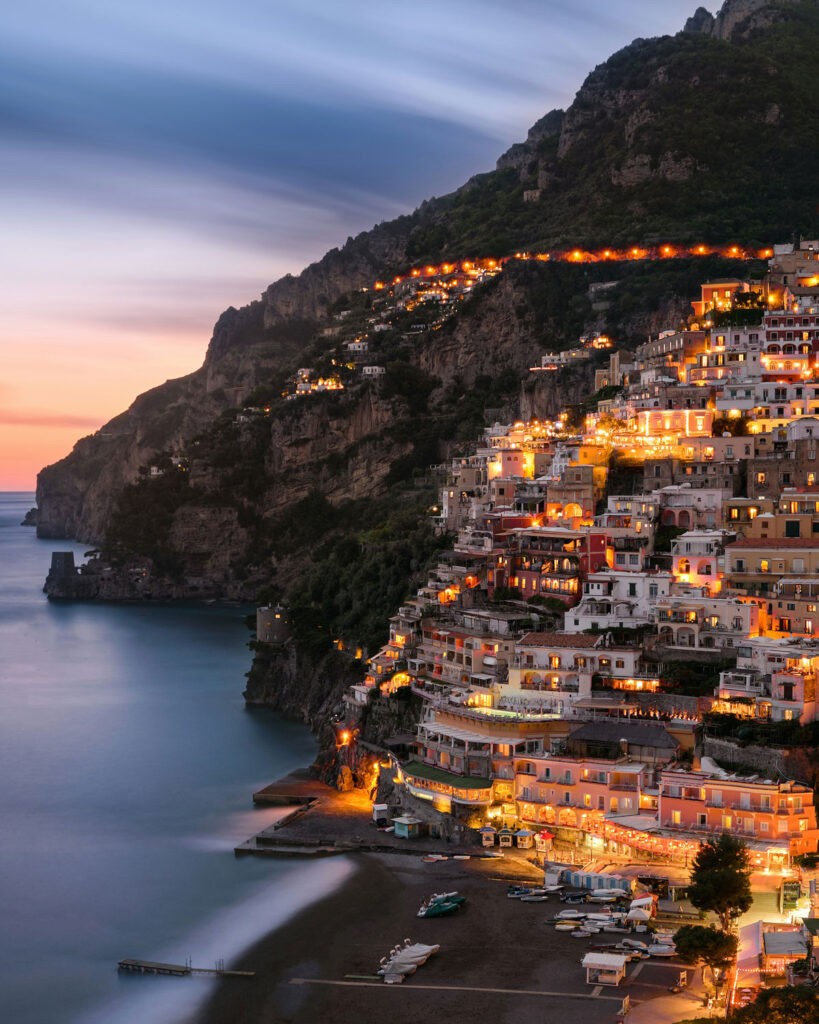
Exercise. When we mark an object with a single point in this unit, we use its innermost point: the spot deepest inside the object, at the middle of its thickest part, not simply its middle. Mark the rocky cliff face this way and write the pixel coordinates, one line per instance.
(662, 141)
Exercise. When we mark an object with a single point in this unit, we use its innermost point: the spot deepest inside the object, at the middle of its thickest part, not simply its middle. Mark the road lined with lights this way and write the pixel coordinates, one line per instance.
(473, 268)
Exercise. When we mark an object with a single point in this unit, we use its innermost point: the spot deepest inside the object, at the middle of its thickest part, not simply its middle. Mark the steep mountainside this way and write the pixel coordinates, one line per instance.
(703, 135)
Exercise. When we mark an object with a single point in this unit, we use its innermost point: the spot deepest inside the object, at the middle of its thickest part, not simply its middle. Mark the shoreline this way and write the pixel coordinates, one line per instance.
(498, 958)
(347, 933)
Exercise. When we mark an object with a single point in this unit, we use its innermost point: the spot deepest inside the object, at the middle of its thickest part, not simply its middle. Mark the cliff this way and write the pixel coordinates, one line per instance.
(215, 486)
(703, 134)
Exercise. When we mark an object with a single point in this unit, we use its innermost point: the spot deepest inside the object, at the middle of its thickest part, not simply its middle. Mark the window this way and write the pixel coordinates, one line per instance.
(702, 819)
(761, 478)
(764, 565)
(676, 818)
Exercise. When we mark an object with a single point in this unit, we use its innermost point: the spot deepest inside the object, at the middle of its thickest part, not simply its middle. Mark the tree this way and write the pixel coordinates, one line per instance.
(721, 879)
(789, 1005)
(698, 944)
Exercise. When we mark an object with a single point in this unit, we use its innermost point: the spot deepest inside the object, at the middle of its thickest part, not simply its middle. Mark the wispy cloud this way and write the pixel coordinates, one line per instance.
(38, 418)
(163, 161)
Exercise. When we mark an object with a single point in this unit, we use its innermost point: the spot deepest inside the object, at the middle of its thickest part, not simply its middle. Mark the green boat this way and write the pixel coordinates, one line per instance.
(441, 904)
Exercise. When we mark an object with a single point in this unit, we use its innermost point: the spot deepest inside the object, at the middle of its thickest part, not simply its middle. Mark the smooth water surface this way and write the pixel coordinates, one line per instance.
(127, 763)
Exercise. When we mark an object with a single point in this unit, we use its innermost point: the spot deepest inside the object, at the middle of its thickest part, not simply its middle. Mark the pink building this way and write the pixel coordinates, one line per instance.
(777, 819)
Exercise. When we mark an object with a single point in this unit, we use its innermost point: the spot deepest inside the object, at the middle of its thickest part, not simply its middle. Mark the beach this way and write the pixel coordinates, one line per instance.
(499, 958)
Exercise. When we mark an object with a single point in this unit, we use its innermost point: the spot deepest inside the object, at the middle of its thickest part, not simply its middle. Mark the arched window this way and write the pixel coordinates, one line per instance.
(684, 565)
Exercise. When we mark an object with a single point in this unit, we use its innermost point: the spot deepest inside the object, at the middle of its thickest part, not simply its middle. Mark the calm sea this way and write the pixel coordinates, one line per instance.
(127, 762)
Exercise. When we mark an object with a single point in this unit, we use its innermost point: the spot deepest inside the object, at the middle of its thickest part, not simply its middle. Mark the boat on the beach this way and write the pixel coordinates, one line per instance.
(565, 926)
(661, 949)
(394, 972)
(410, 953)
(441, 904)
(564, 915)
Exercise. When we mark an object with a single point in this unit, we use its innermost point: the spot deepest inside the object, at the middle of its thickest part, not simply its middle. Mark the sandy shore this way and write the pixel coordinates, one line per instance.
(499, 958)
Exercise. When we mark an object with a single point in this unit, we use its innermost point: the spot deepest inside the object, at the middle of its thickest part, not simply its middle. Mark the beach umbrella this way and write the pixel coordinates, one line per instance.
(643, 901)
(638, 914)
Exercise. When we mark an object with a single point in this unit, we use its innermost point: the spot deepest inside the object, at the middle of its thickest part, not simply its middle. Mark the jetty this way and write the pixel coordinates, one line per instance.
(178, 970)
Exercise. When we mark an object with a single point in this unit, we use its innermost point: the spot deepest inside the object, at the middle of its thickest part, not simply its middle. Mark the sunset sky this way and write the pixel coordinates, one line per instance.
(162, 161)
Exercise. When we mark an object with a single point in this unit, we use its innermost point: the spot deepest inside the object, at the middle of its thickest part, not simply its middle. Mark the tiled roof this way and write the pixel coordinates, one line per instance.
(558, 640)
(644, 734)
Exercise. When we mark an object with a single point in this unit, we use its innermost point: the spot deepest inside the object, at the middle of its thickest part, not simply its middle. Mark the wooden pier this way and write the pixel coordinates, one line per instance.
(178, 970)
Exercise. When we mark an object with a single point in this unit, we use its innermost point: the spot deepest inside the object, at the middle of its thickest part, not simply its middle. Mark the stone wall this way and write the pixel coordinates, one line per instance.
(769, 762)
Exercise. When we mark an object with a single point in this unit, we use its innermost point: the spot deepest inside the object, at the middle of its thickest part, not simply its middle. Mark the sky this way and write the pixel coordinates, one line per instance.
(161, 161)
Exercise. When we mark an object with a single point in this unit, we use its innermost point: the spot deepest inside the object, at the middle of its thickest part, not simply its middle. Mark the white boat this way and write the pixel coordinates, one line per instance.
(394, 973)
(581, 933)
(661, 949)
(534, 898)
(564, 915)
(411, 953)
(419, 947)
(565, 926)
(606, 896)
(634, 944)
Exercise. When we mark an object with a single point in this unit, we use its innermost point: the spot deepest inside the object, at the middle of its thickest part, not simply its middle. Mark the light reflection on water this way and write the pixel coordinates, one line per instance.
(127, 761)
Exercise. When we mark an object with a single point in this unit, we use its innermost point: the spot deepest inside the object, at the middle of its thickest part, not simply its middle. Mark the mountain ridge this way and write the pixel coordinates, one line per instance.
(624, 163)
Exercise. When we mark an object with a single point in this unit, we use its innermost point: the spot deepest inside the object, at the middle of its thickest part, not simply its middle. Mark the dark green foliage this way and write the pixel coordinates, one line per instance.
(692, 678)
(142, 519)
(357, 580)
(788, 1005)
(753, 731)
(730, 117)
(409, 382)
(735, 426)
(664, 535)
(720, 879)
(698, 944)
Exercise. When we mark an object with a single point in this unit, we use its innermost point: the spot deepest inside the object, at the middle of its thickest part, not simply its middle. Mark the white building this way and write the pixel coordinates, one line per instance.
(613, 598)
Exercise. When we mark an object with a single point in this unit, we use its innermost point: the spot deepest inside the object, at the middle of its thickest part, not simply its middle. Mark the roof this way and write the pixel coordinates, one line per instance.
(427, 771)
(790, 943)
(558, 640)
(644, 734)
(605, 961)
(764, 543)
